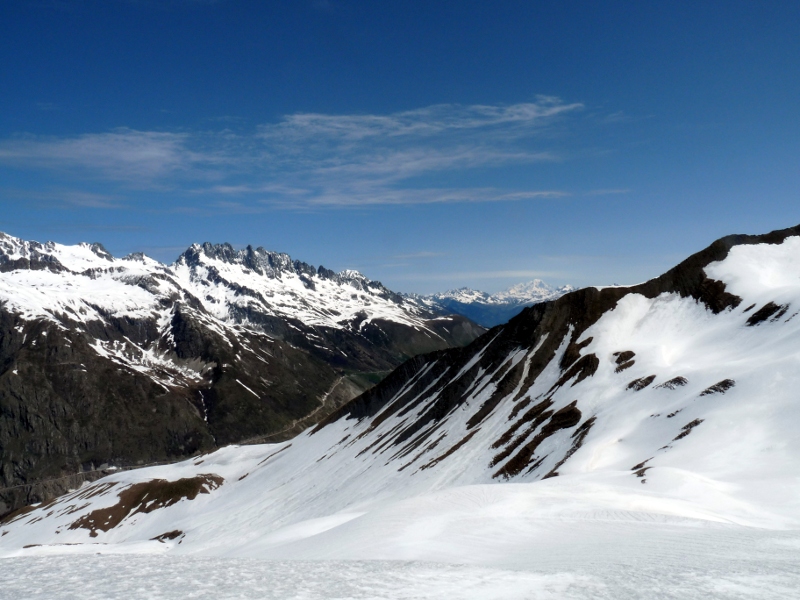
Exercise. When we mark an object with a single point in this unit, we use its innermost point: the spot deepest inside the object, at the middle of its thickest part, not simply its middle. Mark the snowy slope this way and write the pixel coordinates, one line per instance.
(647, 428)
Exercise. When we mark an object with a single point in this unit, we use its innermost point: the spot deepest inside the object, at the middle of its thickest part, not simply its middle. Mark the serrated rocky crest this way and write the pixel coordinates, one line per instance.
(107, 361)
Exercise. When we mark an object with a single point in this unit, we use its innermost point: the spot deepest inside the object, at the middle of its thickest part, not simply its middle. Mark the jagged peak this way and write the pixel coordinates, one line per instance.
(273, 264)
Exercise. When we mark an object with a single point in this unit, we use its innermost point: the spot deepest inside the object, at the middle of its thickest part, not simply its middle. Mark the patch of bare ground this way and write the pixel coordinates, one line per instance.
(719, 388)
(95, 490)
(623, 356)
(687, 429)
(535, 416)
(567, 417)
(674, 383)
(506, 386)
(169, 535)
(526, 402)
(624, 360)
(425, 450)
(641, 383)
(770, 309)
(13, 516)
(625, 365)
(146, 497)
(584, 367)
(640, 469)
(19, 513)
(439, 459)
(263, 460)
(577, 441)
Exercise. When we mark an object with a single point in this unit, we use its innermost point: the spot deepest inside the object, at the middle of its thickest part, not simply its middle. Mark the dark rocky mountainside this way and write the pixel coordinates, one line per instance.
(436, 386)
(108, 363)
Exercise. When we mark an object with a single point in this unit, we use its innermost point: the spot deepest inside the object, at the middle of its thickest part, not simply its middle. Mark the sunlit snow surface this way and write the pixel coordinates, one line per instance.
(650, 562)
(335, 515)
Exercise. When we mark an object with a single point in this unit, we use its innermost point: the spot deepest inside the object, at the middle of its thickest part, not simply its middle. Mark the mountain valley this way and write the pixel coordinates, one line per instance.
(609, 441)
(111, 363)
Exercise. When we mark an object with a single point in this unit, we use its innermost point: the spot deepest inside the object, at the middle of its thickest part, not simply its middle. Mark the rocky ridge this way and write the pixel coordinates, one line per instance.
(108, 362)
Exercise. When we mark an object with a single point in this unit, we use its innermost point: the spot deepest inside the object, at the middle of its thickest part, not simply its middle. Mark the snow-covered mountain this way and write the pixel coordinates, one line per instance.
(116, 361)
(620, 434)
(492, 309)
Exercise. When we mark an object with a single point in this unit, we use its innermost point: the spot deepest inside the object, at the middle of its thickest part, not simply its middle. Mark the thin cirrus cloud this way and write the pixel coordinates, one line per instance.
(310, 159)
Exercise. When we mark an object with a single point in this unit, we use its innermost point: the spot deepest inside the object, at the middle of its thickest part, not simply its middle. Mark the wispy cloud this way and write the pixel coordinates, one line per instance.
(122, 154)
(310, 160)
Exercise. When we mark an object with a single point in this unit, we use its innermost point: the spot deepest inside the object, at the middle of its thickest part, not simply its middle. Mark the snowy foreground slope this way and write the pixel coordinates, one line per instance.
(615, 443)
(123, 361)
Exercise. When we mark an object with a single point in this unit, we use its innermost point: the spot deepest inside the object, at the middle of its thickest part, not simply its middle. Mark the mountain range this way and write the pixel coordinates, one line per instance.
(492, 309)
(113, 362)
(613, 432)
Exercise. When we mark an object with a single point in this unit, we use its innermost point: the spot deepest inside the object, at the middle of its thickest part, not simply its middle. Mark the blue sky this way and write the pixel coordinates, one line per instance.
(429, 144)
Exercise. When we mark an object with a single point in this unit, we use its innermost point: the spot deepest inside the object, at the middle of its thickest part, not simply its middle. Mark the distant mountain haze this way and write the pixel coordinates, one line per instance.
(493, 309)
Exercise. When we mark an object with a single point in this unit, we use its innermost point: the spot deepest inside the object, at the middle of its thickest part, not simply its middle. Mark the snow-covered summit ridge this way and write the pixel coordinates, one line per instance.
(227, 283)
(492, 309)
(528, 292)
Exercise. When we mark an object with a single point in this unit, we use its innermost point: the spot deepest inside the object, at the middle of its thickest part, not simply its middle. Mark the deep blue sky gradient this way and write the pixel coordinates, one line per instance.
(149, 125)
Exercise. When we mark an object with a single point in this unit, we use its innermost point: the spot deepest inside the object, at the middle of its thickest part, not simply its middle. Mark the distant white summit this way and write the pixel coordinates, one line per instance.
(493, 309)
(528, 292)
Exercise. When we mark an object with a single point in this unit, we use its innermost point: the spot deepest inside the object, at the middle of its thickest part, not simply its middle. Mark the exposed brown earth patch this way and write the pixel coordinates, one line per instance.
(625, 365)
(584, 367)
(687, 429)
(567, 417)
(263, 460)
(13, 516)
(504, 388)
(765, 312)
(169, 535)
(624, 356)
(146, 497)
(749, 308)
(674, 383)
(641, 383)
(578, 436)
(525, 403)
(424, 451)
(530, 417)
(719, 388)
(439, 459)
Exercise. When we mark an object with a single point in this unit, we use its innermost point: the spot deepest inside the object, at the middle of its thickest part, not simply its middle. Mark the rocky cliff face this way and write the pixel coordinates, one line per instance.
(109, 362)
